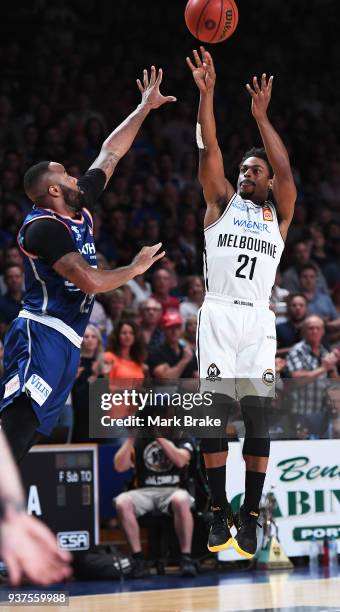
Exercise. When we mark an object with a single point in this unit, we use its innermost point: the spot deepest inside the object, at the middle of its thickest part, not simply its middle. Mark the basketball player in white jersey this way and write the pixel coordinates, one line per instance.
(236, 342)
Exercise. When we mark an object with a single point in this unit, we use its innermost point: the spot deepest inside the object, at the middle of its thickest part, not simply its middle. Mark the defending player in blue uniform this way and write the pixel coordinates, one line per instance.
(61, 277)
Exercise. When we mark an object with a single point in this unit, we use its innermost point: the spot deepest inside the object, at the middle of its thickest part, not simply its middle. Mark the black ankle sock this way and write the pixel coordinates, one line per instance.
(254, 487)
(185, 555)
(138, 555)
(216, 480)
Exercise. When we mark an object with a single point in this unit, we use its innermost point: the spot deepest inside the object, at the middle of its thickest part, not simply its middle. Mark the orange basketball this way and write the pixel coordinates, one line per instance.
(211, 21)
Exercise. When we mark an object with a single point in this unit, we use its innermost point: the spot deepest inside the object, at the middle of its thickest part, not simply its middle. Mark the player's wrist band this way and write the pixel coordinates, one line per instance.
(199, 139)
(11, 505)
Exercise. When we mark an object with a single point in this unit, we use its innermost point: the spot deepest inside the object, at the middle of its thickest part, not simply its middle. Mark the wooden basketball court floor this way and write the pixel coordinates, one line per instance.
(294, 591)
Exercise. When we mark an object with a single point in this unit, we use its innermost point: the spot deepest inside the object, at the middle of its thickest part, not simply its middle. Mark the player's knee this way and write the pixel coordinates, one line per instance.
(257, 447)
(214, 445)
(255, 412)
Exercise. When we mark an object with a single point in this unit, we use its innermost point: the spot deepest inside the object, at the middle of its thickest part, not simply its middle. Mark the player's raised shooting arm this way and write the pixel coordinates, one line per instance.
(211, 168)
(283, 188)
(75, 269)
(120, 140)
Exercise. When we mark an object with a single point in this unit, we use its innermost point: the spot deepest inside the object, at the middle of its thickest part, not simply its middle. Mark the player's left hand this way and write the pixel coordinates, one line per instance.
(149, 89)
(260, 96)
(30, 550)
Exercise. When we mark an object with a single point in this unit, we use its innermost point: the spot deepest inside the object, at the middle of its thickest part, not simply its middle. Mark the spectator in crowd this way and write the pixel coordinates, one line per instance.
(187, 240)
(289, 332)
(195, 296)
(160, 465)
(126, 353)
(10, 302)
(91, 366)
(161, 286)
(311, 366)
(302, 256)
(278, 299)
(318, 303)
(190, 330)
(320, 254)
(336, 298)
(332, 269)
(99, 317)
(140, 288)
(151, 312)
(116, 303)
(173, 360)
(11, 256)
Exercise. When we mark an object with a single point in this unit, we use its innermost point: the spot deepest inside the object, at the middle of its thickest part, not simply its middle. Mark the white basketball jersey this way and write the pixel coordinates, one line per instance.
(242, 250)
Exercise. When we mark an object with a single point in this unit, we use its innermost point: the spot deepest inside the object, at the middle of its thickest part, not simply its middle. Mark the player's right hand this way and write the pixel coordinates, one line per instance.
(203, 70)
(146, 257)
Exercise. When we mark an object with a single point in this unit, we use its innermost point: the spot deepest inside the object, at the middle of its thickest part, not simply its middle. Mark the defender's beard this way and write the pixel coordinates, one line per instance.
(73, 199)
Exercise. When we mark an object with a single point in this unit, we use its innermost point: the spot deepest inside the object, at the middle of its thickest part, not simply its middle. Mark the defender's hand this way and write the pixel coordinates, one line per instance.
(150, 89)
(146, 257)
(260, 96)
(204, 71)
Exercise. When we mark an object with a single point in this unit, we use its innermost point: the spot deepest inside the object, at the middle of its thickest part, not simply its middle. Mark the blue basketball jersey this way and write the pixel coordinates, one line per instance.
(49, 298)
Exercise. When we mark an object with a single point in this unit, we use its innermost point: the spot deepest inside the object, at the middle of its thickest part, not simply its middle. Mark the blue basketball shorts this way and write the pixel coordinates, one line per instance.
(42, 362)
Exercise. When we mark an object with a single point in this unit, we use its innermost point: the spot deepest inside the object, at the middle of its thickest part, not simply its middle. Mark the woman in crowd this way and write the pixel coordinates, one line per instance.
(90, 368)
(126, 353)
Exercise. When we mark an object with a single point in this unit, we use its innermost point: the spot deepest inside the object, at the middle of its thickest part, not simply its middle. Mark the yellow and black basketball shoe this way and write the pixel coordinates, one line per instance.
(245, 542)
(220, 537)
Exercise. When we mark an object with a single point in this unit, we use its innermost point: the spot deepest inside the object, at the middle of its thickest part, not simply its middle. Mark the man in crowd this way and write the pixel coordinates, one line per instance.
(195, 293)
(151, 312)
(311, 366)
(289, 332)
(302, 256)
(10, 302)
(318, 303)
(160, 470)
(173, 360)
(161, 286)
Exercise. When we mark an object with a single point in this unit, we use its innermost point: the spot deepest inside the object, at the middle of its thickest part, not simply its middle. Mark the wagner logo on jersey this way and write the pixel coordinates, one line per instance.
(258, 226)
(236, 263)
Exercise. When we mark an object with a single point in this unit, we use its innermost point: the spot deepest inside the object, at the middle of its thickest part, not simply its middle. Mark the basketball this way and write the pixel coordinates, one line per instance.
(211, 21)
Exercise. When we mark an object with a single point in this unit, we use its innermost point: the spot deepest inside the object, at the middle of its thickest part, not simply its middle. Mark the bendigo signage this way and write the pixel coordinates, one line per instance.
(304, 477)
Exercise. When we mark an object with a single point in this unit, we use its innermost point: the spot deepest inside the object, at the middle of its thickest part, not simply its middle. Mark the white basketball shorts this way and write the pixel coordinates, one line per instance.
(236, 346)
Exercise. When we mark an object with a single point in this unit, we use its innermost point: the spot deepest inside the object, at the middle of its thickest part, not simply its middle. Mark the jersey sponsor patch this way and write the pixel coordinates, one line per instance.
(268, 377)
(267, 213)
(12, 386)
(38, 388)
(213, 372)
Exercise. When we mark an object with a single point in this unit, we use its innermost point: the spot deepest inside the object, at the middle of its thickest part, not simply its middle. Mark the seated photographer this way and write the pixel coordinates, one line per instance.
(160, 466)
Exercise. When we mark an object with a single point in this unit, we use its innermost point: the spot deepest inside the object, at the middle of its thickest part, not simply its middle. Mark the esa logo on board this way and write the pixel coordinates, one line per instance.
(74, 540)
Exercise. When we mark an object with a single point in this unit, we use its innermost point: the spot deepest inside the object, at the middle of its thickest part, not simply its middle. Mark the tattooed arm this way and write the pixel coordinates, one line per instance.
(121, 139)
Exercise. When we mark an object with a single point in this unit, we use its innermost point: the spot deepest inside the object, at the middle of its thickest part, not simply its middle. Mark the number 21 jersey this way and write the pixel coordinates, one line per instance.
(242, 250)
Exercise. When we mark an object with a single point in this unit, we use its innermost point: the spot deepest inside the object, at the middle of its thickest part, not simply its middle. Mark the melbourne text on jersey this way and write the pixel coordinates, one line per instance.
(248, 243)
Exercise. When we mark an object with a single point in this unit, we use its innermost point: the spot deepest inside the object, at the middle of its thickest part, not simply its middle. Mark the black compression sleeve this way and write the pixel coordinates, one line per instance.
(92, 183)
(49, 239)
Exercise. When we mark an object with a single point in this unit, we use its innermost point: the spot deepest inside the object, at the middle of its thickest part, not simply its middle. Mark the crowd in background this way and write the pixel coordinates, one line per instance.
(67, 81)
